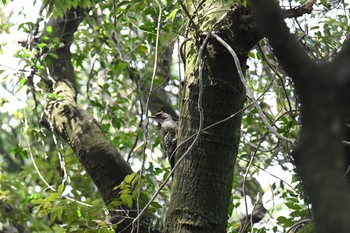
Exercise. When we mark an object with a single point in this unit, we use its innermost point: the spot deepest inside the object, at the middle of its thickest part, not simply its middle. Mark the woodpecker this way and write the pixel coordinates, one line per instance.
(168, 134)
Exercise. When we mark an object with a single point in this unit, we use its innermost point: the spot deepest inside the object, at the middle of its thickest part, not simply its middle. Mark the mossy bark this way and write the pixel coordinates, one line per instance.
(102, 161)
(203, 180)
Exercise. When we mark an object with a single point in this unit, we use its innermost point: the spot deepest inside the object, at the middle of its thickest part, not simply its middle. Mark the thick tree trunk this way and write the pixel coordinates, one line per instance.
(202, 185)
(78, 128)
(203, 179)
(102, 161)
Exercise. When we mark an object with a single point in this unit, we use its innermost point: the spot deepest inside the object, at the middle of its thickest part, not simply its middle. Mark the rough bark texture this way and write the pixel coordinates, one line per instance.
(323, 91)
(77, 127)
(201, 196)
(96, 153)
(203, 181)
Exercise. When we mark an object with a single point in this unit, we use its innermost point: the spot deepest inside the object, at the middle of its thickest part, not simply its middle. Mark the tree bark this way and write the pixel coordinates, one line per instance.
(79, 129)
(203, 179)
(323, 91)
(73, 124)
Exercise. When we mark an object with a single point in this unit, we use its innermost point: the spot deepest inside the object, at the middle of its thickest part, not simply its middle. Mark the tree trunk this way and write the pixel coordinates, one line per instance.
(203, 179)
(79, 129)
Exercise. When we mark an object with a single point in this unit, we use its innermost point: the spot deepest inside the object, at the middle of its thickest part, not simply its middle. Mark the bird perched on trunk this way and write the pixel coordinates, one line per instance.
(168, 134)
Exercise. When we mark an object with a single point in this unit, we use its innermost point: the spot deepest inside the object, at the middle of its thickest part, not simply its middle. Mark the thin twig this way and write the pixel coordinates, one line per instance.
(252, 214)
(248, 91)
(61, 159)
(275, 70)
(243, 186)
(155, 65)
(189, 17)
(269, 173)
(41, 176)
(297, 224)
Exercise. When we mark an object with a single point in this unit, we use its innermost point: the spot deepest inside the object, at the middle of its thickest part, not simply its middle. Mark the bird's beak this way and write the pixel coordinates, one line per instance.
(152, 117)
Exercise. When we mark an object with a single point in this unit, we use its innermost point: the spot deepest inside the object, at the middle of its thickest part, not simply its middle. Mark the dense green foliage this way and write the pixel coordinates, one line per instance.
(43, 187)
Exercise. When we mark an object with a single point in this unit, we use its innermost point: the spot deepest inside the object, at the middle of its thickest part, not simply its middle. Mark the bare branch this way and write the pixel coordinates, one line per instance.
(249, 92)
(136, 221)
(288, 50)
(305, 8)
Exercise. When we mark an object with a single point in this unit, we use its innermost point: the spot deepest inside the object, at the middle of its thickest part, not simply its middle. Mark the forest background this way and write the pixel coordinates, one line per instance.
(263, 116)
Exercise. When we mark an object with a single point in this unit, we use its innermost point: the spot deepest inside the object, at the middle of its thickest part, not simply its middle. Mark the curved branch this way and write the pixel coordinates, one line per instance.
(249, 92)
(287, 49)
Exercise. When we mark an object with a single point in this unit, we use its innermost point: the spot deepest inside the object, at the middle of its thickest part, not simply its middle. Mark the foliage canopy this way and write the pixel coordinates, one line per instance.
(127, 59)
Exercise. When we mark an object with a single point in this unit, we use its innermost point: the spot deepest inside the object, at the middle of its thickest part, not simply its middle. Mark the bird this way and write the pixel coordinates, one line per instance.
(168, 135)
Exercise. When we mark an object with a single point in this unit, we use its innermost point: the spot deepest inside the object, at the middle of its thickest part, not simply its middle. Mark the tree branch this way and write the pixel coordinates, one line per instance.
(319, 155)
(341, 66)
(298, 11)
(249, 92)
(102, 161)
(289, 52)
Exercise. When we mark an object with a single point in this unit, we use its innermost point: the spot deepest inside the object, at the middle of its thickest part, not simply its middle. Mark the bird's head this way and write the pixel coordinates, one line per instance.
(161, 117)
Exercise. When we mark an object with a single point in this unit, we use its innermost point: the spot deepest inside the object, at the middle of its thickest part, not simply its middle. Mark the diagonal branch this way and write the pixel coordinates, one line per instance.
(298, 11)
(102, 161)
(289, 52)
(249, 92)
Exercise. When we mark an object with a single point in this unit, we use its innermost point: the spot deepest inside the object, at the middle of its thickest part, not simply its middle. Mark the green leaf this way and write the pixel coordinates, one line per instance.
(251, 54)
(115, 203)
(41, 45)
(75, 3)
(20, 151)
(45, 38)
(53, 197)
(273, 187)
(284, 221)
(39, 65)
(172, 14)
(22, 82)
(26, 27)
(295, 178)
(249, 119)
(38, 201)
(49, 29)
(156, 205)
(54, 214)
(60, 189)
(79, 212)
(244, 3)
(292, 206)
(53, 55)
(127, 199)
(129, 178)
